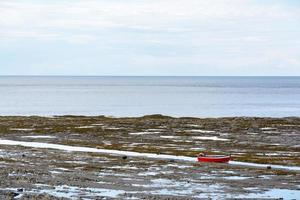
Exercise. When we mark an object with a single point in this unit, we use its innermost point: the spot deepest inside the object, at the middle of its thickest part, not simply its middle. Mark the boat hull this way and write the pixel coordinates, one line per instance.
(223, 159)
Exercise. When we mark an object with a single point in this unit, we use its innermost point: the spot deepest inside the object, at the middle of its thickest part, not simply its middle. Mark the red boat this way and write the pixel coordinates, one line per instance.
(214, 158)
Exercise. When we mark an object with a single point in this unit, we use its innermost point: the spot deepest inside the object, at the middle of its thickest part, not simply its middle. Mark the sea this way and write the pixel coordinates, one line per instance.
(131, 96)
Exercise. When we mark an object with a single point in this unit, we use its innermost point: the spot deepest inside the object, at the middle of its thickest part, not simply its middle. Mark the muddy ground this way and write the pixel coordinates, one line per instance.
(35, 173)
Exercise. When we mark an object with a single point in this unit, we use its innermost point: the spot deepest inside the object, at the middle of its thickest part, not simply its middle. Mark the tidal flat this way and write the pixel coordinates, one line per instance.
(150, 157)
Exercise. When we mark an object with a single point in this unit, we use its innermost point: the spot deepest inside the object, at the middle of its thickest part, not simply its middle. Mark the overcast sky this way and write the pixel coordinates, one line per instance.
(149, 37)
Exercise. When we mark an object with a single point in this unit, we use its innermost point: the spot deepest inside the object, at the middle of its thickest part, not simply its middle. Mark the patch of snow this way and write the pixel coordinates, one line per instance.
(83, 127)
(39, 136)
(143, 133)
(113, 128)
(268, 128)
(199, 131)
(22, 129)
(62, 169)
(236, 178)
(97, 124)
(148, 173)
(55, 172)
(197, 148)
(290, 125)
(209, 138)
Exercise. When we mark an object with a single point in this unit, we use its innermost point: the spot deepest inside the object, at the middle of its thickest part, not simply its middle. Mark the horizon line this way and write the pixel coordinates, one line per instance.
(52, 75)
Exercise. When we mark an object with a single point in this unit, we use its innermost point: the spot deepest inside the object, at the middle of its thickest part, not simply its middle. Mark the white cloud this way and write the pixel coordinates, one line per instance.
(136, 14)
(228, 34)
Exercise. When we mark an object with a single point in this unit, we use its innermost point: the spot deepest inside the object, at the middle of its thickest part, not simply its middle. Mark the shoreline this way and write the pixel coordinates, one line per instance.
(36, 172)
(229, 126)
(151, 115)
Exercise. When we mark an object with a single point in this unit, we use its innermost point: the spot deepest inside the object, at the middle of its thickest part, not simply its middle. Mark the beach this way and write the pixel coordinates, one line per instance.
(150, 157)
(153, 100)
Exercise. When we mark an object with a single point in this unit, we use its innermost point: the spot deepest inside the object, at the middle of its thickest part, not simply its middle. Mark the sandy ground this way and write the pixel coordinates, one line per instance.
(49, 173)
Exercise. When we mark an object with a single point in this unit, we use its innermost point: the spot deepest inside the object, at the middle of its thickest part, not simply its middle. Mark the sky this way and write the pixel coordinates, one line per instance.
(150, 37)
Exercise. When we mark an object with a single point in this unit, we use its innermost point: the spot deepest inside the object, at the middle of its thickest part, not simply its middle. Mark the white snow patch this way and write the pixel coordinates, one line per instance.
(193, 125)
(268, 128)
(143, 133)
(290, 125)
(55, 172)
(97, 124)
(39, 136)
(198, 148)
(236, 178)
(113, 128)
(169, 137)
(22, 129)
(199, 131)
(62, 169)
(148, 173)
(210, 138)
(83, 127)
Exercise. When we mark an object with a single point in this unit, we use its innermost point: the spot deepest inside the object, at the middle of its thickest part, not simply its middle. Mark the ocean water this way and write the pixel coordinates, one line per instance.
(137, 96)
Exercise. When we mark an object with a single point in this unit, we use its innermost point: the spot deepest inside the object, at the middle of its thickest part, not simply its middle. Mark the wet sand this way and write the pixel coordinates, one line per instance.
(40, 172)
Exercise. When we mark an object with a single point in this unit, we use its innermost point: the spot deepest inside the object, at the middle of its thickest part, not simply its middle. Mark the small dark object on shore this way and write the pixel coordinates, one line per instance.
(269, 167)
(172, 160)
(23, 155)
(124, 157)
(20, 190)
(14, 194)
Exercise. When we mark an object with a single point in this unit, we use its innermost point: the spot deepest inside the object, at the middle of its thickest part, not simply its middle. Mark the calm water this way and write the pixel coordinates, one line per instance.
(136, 96)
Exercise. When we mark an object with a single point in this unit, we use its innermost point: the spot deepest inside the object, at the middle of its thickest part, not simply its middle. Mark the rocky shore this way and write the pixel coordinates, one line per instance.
(48, 173)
